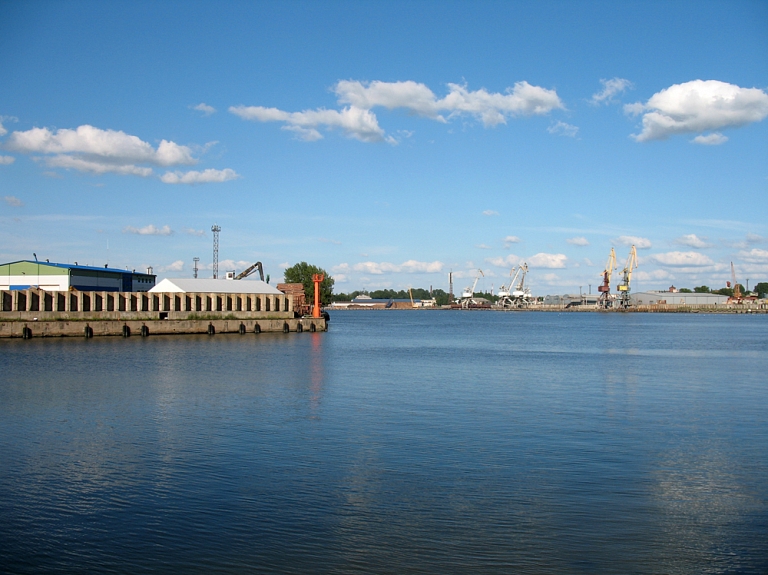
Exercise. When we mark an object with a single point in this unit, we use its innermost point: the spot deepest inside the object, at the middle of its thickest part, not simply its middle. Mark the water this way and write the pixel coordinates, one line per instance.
(398, 442)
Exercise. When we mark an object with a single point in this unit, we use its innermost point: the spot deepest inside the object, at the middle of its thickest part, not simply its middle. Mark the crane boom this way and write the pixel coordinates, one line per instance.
(250, 270)
(605, 289)
(624, 286)
(736, 286)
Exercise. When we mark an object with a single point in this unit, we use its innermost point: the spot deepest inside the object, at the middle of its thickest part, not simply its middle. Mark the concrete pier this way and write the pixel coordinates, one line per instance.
(37, 313)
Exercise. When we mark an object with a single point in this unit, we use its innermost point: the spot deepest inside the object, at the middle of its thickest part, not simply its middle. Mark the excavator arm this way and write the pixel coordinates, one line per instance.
(250, 270)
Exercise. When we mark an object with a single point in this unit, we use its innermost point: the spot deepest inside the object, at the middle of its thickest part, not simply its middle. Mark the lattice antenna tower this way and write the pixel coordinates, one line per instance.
(194, 269)
(215, 229)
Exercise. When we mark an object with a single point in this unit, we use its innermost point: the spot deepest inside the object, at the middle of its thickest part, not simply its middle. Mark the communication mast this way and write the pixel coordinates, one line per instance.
(194, 269)
(215, 229)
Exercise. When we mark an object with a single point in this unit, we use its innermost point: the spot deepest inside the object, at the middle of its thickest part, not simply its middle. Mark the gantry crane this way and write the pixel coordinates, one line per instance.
(469, 292)
(623, 287)
(605, 300)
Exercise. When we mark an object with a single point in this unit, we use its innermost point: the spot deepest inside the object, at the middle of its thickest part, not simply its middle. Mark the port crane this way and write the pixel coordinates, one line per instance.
(516, 294)
(469, 292)
(605, 300)
(623, 287)
(245, 273)
(735, 285)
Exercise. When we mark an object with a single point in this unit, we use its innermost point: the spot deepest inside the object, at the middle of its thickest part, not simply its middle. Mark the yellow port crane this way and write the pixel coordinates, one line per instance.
(623, 287)
(606, 299)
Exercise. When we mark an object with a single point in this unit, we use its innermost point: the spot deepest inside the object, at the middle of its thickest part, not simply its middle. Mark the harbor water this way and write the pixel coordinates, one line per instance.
(396, 442)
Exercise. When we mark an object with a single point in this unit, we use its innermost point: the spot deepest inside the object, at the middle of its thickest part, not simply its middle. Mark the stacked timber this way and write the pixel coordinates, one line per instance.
(296, 292)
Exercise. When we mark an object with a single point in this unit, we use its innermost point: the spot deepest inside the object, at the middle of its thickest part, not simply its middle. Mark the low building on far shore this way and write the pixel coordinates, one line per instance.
(677, 298)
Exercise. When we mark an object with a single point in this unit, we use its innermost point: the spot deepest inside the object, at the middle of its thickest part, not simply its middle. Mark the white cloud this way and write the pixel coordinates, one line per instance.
(340, 278)
(491, 108)
(354, 122)
(149, 230)
(754, 256)
(204, 108)
(542, 260)
(341, 268)
(490, 213)
(698, 106)
(611, 88)
(194, 232)
(13, 201)
(482, 247)
(504, 262)
(638, 242)
(3, 130)
(6, 160)
(511, 240)
(692, 241)
(357, 121)
(643, 275)
(82, 165)
(713, 139)
(195, 177)
(229, 265)
(329, 241)
(551, 278)
(578, 241)
(378, 268)
(176, 266)
(562, 129)
(682, 259)
(91, 149)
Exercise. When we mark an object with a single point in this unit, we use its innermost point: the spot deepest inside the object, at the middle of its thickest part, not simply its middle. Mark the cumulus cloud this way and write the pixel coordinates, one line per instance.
(682, 259)
(204, 108)
(6, 160)
(378, 268)
(354, 122)
(611, 88)
(542, 260)
(754, 256)
(698, 106)
(692, 241)
(149, 230)
(176, 266)
(3, 129)
(511, 240)
(504, 262)
(482, 247)
(638, 242)
(644, 275)
(578, 241)
(490, 213)
(194, 232)
(713, 139)
(13, 201)
(357, 121)
(195, 177)
(91, 149)
(563, 129)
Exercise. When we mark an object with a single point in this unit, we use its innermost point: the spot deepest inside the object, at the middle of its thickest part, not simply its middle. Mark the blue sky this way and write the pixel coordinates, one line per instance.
(389, 142)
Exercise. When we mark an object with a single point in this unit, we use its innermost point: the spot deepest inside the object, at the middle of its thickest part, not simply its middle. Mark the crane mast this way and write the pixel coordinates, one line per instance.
(606, 300)
(624, 286)
(736, 286)
(469, 292)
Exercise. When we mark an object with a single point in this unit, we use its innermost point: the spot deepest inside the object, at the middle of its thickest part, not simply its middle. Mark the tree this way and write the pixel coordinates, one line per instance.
(701, 289)
(302, 273)
(761, 289)
(685, 290)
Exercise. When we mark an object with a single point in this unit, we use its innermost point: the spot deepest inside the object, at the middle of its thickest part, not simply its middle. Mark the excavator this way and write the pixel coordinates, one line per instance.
(469, 292)
(245, 273)
(605, 300)
(623, 287)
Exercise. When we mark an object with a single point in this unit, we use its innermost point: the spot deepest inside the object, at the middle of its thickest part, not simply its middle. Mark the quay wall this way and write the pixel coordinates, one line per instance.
(85, 328)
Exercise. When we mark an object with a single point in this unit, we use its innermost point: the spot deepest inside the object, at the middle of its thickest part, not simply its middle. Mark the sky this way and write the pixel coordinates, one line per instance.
(389, 143)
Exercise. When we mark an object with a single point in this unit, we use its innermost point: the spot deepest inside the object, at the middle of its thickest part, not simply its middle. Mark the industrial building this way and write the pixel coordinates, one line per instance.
(677, 298)
(50, 276)
(207, 285)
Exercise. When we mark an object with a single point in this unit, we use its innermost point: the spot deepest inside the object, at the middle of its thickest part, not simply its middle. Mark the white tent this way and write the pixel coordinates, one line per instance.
(207, 285)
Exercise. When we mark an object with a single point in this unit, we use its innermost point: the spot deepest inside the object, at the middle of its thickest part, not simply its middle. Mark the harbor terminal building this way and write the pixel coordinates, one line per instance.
(49, 276)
